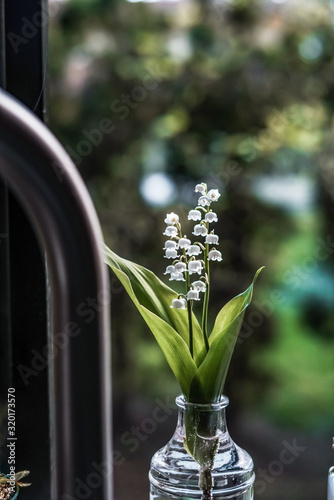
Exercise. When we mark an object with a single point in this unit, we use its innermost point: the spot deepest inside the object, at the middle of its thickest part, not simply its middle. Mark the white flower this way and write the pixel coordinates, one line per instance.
(179, 304)
(215, 255)
(194, 250)
(200, 230)
(171, 253)
(200, 188)
(204, 201)
(212, 239)
(177, 276)
(194, 215)
(213, 194)
(169, 269)
(200, 286)
(211, 217)
(170, 244)
(184, 243)
(195, 266)
(171, 219)
(170, 231)
(180, 267)
(193, 295)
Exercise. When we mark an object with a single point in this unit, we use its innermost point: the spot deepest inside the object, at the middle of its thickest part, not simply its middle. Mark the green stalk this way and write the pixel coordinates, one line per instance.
(191, 337)
(189, 304)
(206, 300)
(190, 315)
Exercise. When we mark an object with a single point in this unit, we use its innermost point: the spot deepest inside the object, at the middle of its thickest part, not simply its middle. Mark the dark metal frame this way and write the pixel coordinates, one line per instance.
(47, 184)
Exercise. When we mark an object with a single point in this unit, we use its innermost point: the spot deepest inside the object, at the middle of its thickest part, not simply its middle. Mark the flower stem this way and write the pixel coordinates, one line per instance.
(206, 299)
(205, 483)
(190, 319)
(189, 308)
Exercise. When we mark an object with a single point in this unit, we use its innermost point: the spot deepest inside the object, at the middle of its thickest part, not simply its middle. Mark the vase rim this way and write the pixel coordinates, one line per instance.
(182, 403)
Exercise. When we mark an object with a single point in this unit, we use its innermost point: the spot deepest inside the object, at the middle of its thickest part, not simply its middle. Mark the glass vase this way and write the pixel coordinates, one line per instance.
(221, 470)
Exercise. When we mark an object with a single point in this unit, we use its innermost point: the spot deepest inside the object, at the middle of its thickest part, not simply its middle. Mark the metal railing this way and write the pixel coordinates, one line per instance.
(43, 178)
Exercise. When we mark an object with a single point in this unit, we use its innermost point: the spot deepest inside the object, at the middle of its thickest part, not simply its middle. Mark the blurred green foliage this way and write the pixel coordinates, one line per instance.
(240, 95)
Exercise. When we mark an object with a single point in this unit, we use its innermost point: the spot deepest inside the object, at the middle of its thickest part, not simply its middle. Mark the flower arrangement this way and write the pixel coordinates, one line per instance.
(10, 487)
(198, 359)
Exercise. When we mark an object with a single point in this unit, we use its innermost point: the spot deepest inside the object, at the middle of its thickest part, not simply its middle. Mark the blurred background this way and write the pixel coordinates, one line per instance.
(150, 98)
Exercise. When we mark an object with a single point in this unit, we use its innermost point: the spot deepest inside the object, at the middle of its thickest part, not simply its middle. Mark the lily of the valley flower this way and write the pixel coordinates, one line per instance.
(179, 304)
(184, 253)
(176, 276)
(215, 255)
(170, 244)
(200, 230)
(170, 231)
(195, 266)
(193, 295)
(204, 201)
(200, 286)
(171, 219)
(180, 267)
(169, 269)
(171, 253)
(200, 188)
(194, 250)
(212, 239)
(184, 243)
(213, 195)
(211, 217)
(194, 215)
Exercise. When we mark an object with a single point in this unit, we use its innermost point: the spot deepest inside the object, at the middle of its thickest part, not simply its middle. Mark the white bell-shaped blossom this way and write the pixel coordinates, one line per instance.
(170, 244)
(169, 269)
(213, 194)
(170, 231)
(200, 188)
(212, 239)
(194, 215)
(211, 217)
(179, 304)
(200, 286)
(176, 276)
(171, 219)
(181, 267)
(193, 295)
(194, 250)
(204, 201)
(184, 243)
(171, 253)
(200, 230)
(215, 255)
(195, 266)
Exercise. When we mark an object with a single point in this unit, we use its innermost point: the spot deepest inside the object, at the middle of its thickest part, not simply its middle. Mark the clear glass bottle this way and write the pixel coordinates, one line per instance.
(175, 475)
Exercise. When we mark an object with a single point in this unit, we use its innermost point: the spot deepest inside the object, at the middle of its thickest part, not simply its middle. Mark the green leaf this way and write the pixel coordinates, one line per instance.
(169, 326)
(209, 379)
(174, 348)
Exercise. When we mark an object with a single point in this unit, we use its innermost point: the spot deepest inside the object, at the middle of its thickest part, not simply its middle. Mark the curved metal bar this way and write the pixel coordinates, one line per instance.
(43, 177)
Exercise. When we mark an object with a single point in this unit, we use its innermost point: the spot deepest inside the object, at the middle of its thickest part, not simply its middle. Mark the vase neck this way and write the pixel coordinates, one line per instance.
(210, 418)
